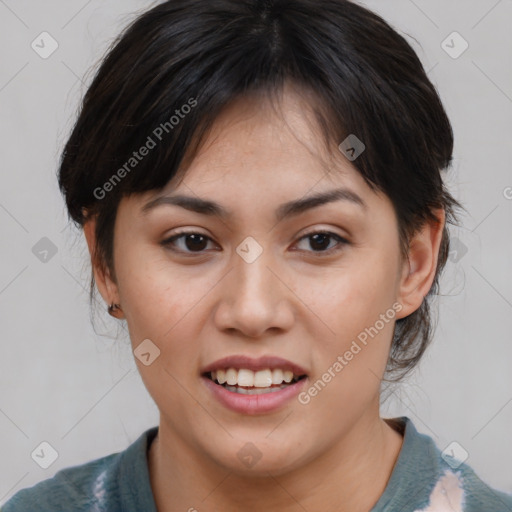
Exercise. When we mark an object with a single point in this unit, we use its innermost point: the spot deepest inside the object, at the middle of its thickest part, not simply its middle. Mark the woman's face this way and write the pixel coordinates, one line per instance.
(256, 295)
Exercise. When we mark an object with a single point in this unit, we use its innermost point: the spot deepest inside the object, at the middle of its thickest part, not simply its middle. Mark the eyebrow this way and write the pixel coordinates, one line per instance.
(291, 208)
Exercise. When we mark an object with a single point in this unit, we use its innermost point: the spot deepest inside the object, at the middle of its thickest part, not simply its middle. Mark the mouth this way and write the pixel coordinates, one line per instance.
(254, 386)
(249, 382)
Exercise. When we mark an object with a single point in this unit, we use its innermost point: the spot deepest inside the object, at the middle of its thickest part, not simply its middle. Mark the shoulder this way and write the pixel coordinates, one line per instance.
(461, 484)
(453, 485)
(77, 488)
(101, 485)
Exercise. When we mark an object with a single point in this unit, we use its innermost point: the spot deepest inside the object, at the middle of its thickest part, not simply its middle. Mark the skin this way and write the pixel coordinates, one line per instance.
(336, 452)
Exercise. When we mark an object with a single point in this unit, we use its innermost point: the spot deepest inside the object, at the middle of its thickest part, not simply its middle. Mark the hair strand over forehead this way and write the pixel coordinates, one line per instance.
(172, 71)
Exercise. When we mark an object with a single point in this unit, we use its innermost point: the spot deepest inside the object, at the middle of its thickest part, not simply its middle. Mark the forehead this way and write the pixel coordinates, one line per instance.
(261, 157)
(275, 147)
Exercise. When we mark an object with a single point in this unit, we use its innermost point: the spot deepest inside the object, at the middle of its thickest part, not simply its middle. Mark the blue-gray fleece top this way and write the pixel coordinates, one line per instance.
(423, 480)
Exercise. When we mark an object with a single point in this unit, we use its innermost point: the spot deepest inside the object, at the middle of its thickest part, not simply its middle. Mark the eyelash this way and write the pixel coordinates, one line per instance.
(169, 242)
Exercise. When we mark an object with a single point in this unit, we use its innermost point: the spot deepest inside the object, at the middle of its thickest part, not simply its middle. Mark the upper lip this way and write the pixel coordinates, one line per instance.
(254, 364)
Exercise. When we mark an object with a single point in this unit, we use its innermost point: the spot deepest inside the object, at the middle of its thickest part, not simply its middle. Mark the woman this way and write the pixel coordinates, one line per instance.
(260, 188)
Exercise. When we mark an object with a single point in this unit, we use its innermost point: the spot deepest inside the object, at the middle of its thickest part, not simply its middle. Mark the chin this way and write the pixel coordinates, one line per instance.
(259, 457)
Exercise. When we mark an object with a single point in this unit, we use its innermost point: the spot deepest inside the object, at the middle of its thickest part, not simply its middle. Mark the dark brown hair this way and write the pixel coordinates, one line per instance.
(176, 66)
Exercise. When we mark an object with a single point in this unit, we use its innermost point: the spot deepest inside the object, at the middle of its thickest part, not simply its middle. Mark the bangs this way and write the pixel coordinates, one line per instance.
(183, 75)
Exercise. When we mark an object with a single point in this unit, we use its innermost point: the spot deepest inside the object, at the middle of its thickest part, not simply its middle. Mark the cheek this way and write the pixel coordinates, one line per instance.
(159, 301)
(350, 297)
(155, 295)
(351, 303)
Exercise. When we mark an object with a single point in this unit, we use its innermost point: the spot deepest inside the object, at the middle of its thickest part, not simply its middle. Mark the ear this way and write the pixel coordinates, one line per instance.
(419, 269)
(106, 285)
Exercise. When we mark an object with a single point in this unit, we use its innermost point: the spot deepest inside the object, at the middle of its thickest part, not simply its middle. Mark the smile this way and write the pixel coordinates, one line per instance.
(251, 386)
(248, 382)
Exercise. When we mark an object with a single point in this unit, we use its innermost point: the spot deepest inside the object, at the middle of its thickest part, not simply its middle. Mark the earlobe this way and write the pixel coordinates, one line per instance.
(106, 286)
(419, 269)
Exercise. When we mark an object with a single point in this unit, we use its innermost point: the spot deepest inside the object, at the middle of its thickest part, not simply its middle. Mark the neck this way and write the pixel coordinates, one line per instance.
(350, 476)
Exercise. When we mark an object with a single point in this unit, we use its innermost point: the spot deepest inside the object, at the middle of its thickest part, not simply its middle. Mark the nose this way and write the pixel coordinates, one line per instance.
(255, 299)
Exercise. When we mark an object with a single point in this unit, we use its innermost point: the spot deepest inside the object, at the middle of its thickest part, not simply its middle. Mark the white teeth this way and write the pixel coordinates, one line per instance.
(263, 379)
(255, 391)
(221, 376)
(277, 376)
(246, 378)
(232, 377)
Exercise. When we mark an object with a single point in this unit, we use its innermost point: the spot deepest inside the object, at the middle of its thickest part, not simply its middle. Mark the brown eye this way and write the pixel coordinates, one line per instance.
(319, 241)
(192, 242)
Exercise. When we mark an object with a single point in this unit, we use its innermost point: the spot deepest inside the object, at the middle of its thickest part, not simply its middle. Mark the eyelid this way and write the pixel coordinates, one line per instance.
(326, 231)
(167, 242)
(341, 241)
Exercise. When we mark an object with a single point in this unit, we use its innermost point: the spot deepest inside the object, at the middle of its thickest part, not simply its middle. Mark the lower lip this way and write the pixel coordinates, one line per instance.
(254, 404)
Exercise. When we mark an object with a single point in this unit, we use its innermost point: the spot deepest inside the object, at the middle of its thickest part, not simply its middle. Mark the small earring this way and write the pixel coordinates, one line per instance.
(113, 310)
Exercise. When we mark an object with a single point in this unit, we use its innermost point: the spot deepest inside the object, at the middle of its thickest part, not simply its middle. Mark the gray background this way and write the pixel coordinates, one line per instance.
(79, 390)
